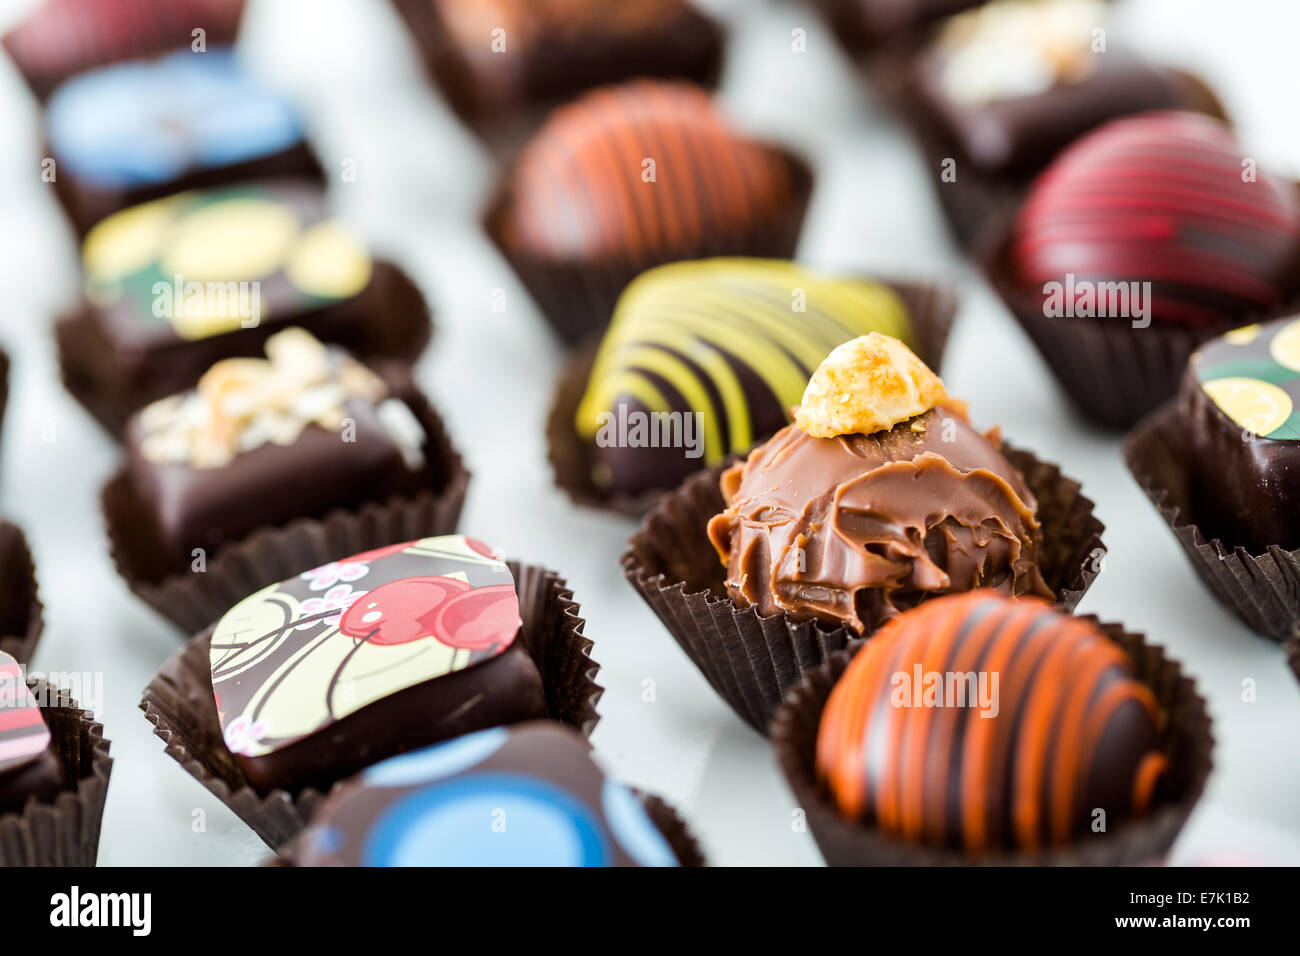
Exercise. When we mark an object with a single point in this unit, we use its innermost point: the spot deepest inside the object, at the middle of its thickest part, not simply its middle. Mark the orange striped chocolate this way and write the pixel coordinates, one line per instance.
(982, 722)
(647, 169)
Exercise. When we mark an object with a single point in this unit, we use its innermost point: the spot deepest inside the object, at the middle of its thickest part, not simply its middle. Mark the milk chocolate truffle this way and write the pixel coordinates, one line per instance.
(174, 285)
(370, 656)
(437, 807)
(135, 131)
(982, 723)
(1163, 208)
(30, 766)
(704, 358)
(61, 38)
(263, 441)
(879, 496)
(633, 176)
(1238, 408)
(501, 58)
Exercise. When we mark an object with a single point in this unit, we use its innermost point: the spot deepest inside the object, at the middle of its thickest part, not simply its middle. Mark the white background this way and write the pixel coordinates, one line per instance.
(420, 185)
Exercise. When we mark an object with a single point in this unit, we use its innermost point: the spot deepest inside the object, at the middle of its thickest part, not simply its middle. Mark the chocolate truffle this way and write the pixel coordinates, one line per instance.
(140, 130)
(30, 766)
(630, 177)
(323, 674)
(1162, 209)
(529, 795)
(64, 37)
(177, 284)
(704, 358)
(983, 723)
(861, 25)
(879, 496)
(263, 441)
(502, 57)
(1012, 83)
(1239, 408)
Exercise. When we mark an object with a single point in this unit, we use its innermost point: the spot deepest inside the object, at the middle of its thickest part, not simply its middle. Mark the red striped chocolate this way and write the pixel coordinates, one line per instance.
(1169, 199)
(23, 734)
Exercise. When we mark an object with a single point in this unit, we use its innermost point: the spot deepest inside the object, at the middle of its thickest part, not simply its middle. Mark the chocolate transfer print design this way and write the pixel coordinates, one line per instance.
(1252, 375)
(528, 795)
(293, 658)
(23, 734)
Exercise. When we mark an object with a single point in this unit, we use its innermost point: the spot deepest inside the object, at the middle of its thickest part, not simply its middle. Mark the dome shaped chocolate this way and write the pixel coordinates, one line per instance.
(1167, 199)
(642, 170)
(980, 722)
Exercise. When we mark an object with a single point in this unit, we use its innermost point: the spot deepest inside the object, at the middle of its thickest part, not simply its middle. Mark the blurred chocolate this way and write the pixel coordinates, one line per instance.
(30, 765)
(503, 60)
(985, 724)
(127, 133)
(412, 810)
(261, 442)
(1165, 202)
(62, 38)
(630, 177)
(177, 284)
(704, 358)
(864, 25)
(1238, 410)
(369, 656)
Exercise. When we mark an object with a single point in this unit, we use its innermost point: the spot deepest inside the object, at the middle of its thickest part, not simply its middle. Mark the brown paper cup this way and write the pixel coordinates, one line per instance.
(180, 705)
(1186, 739)
(694, 52)
(1113, 373)
(192, 600)
(392, 334)
(64, 832)
(22, 615)
(752, 660)
(932, 308)
(577, 298)
(1261, 589)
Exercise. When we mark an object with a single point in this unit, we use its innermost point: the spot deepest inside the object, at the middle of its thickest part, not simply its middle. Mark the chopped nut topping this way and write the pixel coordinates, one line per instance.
(867, 385)
(242, 403)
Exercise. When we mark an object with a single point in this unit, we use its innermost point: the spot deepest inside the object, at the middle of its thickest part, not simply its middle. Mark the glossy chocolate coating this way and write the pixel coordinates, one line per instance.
(851, 530)
(530, 795)
(30, 765)
(1018, 135)
(1243, 443)
(717, 344)
(578, 190)
(40, 779)
(1162, 199)
(270, 485)
(1040, 727)
(555, 49)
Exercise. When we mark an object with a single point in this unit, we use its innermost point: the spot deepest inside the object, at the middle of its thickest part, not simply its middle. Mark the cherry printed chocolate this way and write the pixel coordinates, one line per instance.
(365, 657)
(530, 795)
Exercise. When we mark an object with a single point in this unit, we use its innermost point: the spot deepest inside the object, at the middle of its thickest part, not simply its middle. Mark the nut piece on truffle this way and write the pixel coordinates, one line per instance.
(866, 385)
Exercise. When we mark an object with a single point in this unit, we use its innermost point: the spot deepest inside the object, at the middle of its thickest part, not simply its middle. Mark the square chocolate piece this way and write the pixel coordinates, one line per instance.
(175, 285)
(370, 656)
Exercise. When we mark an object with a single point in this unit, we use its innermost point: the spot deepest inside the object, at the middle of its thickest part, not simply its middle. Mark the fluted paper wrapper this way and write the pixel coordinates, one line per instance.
(180, 704)
(64, 832)
(192, 600)
(752, 660)
(1261, 589)
(1185, 738)
(22, 616)
(577, 297)
(931, 308)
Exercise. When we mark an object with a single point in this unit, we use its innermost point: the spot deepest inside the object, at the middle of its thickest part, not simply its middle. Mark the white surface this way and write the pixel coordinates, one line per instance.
(421, 181)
